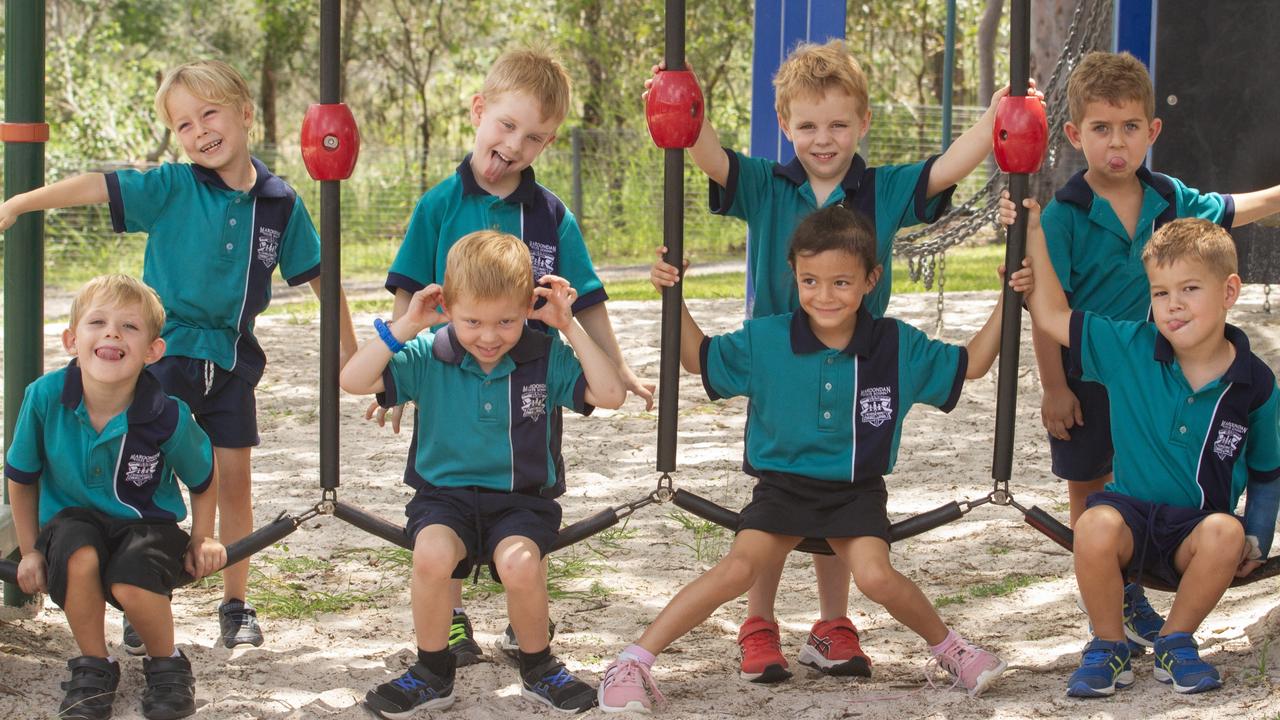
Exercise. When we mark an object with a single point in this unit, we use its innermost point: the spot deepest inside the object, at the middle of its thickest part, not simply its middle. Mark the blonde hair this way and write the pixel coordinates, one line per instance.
(488, 265)
(1114, 78)
(118, 290)
(210, 80)
(534, 73)
(811, 70)
(1193, 239)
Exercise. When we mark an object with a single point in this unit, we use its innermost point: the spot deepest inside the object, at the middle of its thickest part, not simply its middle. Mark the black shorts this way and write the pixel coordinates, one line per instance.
(222, 402)
(786, 504)
(143, 553)
(1088, 454)
(1158, 531)
(482, 519)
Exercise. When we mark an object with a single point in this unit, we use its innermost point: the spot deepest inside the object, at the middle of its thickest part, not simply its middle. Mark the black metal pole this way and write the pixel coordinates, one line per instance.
(330, 256)
(1015, 250)
(673, 238)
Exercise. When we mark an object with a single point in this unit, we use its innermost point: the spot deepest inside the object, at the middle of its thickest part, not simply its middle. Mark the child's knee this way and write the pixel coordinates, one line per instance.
(736, 572)
(875, 581)
(1223, 534)
(84, 562)
(520, 571)
(1100, 527)
(131, 595)
(434, 561)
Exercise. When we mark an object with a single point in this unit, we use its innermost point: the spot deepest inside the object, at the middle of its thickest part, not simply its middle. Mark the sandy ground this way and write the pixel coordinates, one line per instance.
(321, 664)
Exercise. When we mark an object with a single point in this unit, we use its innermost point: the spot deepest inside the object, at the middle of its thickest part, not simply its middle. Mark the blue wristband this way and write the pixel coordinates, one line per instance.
(384, 332)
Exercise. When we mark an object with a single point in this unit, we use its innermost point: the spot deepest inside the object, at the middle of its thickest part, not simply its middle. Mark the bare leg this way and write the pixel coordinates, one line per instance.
(437, 550)
(1078, 492)
(868, 557)
(150, 615)
(235, 514)
(523, 574)
(764, 592)
(833, 586)
(1207, 560)
(85, 605)
(455, 593)
(1103, 547)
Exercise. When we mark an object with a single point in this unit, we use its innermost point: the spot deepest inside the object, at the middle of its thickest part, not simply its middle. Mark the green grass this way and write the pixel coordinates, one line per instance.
(708, 537)
(562, 569)
(1005, 586)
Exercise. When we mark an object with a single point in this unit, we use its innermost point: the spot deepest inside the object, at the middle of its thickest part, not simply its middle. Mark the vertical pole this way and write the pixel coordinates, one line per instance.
(24, 43)
(1015, 249)
(575, 142)
(948, 74)
(673, 238)
(330, 256)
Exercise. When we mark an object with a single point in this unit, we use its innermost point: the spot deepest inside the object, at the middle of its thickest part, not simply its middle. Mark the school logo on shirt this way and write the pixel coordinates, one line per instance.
(533, 401)
(544, 259)
(1227, 443)
(141, 468)
(268, 246)
(875, 405)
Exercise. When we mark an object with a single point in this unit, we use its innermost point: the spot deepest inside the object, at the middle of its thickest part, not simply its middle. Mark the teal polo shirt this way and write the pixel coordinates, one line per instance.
(486, 430)
(211, 252)
(1099, 265)
(458, 206)
(829, 414)
(774, 198)
(127, 470)
(1175, 445)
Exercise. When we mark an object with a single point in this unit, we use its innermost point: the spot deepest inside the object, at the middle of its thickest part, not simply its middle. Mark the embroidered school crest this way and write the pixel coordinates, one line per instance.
(533, 401)
(141, 468)
(875, 405)
(544, 259)
(1227, 444)
(268, 246)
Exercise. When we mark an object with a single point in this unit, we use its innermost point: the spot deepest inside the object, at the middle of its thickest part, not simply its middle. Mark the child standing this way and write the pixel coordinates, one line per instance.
(93, 467)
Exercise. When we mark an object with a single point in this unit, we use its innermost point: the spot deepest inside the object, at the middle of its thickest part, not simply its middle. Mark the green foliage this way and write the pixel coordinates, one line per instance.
(1007, 585)
(708, 538)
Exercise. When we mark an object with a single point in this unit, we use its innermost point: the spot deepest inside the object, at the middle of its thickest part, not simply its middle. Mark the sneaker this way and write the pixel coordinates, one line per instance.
(1104, 666)
(130, 640)
(551, 684)
(171, 688)
(1178, 662)
(91, 690)
(628, 687)
(508, 646)
(417, 689)
(462, 641)
(238, 622)
(1142, 624)
(972, 667)
(833, 649)
(761, 648)
(1136, 650)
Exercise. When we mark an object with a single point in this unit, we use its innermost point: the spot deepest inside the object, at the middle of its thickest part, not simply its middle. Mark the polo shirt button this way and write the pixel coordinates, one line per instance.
(1191, 401)
(230, 246)
(830, 360)
(489, 406)
(97, 471)
(1183, 429)
(828, 386)
(826, 415)
(233, 222)
(487, 383)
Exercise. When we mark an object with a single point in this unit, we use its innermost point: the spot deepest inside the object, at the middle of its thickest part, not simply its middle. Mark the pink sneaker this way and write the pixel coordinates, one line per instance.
(627, 686)
(971, 666)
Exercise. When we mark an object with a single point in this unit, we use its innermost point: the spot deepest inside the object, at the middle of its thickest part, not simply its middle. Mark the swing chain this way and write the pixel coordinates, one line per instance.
(328, 500)
(665, 490)
(1266, 298)
(314, 511)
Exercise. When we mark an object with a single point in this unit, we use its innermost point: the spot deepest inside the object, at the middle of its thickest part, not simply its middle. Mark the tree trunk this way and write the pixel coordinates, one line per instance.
(349, 14)
(988, 30)
(267, 102)
(424, 129)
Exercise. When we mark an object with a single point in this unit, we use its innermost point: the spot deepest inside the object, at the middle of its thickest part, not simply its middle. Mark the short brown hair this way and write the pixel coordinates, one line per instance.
(210, 80)
(1110, 77)
(117, 290)
(534, 73)
(835, 228)
(488, 265)
(811, 70)
(1194, 239)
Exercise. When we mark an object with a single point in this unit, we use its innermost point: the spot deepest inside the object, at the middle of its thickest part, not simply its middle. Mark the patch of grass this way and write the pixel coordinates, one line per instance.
(712, 286)
(1005, 586)
(299, 564)
(999, 550)
(968, 267)
(562, 570)
(1260, 672)
(708, 537)
(280, 597)
(607, 542)
(946, 600)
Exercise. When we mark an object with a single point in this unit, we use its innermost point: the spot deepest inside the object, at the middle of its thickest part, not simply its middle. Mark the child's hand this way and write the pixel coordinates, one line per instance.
(378, 414)
(1007, 211)
(642, 389)
(205, 556)
(648, 84)
(422, 311)
(557, 312)
(8, 216)
(664, 274)
(32, 574)
(1022, 281)
(1250, 557)
(1060, 411)
(1002, 92)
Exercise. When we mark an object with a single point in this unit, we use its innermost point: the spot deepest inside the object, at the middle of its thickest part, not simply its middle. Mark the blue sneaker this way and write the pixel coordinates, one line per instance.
(551, 684)
(417, 689)
(1178, 662)
(1104, 666)
(1142, 624)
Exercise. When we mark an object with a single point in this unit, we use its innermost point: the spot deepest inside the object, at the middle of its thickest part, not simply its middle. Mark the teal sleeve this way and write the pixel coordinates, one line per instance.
(404, 378)
(1211, 206)
(932, 369)
(1262, 449)
(746, 188)
(726, 363)
(138, 198)
(901, 197)
(1056, 221)
(566, 383)
(188, 451)
(415, 264)
(300, 247)
(575, 264)
(1104, 348)
(24, 460)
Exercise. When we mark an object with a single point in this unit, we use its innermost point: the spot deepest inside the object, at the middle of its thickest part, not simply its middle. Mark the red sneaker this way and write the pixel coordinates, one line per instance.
(833, 649)
(762, 660)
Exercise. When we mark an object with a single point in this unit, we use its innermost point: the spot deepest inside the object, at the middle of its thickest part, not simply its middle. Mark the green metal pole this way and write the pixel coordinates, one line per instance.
(948, 74)
(24, 242)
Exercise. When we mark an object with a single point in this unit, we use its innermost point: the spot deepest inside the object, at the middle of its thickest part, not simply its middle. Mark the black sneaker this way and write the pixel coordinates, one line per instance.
(91, 689)
(239, 624)
(509, 647)
(417, 689)
(551, 684)
(130, 640)
(462, 642)
(171, 688)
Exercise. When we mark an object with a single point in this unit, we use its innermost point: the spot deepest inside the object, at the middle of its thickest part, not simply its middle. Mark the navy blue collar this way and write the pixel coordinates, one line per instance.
(1077, 191)
(148, 396)
(1239, 370)
(266, 184)
(795, 172)
(531, 346)
(526, 193)
(803, 341)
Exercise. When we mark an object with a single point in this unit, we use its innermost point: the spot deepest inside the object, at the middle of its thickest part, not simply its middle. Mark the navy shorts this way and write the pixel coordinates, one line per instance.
(1158, 531)
(786, 504)
(143, 553)
(1088, 454)
(482, 519)
(223, 403)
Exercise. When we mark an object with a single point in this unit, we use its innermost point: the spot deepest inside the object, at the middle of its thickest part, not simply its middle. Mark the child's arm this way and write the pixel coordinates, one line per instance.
(1255, 205)
(1059, 407)
(1047, 303)
(984, 346)
(346, 329)
(663, 275)
(376, 412)
(204, 554)
(24, 502)
(595, 320)
(706, 152)
(362, 374)
(604, 386)
(87, 189)
(971, 148)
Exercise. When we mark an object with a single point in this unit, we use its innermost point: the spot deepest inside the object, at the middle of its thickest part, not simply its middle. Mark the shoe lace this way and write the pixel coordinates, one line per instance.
(1142, 610)
(243, 616)
(760, 640)
(457, 633)
(956, 660)
(1096, 657)
(559, 678)
(633, 673)
(843, 636)
(1185, 653)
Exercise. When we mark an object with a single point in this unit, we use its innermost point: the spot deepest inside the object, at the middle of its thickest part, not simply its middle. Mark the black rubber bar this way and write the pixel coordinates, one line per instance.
(372, 524)
(673, 239)
(330, 257)
(585, 528)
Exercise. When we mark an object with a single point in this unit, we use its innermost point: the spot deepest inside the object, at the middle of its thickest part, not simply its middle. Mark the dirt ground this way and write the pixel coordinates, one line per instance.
(998, 582)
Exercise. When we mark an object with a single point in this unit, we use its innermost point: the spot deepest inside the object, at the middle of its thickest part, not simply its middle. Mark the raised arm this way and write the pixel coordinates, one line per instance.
(595, 320)
(706, 152)
(604, 385)
(87, 189)
(1047, 303)
(971, 148)
(1255, 205)
(984, 346)
(362, 374)
(346, 330)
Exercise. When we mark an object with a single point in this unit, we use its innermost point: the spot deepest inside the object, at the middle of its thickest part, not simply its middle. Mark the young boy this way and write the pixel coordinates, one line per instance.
(1193, 417)
(824, 110)
(830, 386)
(92, 466)
(524, 99)
(1096, 226)
(485, 464)
(216, 230)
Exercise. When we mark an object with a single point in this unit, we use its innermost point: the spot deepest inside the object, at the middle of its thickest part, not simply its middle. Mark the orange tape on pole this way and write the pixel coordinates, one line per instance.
(24, 132)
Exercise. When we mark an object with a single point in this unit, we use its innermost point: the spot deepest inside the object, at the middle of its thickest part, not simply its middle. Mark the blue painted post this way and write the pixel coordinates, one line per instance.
(1134, 29)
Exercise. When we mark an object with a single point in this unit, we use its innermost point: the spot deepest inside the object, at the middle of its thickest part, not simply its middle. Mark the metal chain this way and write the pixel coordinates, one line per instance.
(1266, 299)
(942, 280)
